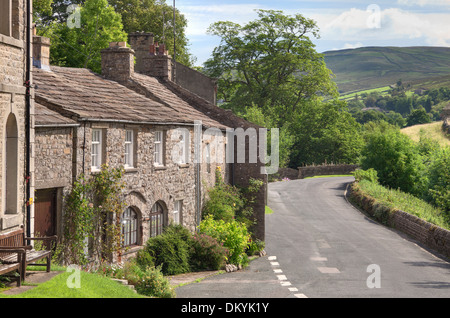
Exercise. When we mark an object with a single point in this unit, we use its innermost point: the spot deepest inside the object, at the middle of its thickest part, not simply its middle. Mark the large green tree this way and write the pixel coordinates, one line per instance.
(137, 15)
(79, 44)
(269, 72)
(270, 62)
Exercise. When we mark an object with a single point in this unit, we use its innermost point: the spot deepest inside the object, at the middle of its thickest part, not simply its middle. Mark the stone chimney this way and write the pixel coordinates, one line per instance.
(152, 59)
(41, 52)
(117, 62)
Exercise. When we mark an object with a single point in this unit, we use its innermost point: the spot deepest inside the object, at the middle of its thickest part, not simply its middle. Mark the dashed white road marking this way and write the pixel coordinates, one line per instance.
(283, 279)
(318, 259)
(277, 270)
(274, 263)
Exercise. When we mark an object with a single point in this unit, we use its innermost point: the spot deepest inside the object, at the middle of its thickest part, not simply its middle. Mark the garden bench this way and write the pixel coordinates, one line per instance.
(16, 241)
(11, 259)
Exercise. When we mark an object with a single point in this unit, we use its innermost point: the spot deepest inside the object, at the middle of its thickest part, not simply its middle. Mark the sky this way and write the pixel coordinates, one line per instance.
(342, 24)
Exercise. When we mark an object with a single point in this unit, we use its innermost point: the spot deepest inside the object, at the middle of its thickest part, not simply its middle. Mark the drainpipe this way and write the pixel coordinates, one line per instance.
(27, 115)
(197, 162)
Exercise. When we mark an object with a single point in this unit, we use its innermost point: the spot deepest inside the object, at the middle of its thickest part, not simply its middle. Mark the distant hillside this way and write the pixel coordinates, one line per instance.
(372, 67)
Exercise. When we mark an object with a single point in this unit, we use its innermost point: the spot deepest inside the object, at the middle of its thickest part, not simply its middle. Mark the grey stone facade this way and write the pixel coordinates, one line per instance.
(15, 117)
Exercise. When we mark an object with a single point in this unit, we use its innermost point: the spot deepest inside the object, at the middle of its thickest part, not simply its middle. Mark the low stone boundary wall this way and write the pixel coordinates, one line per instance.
(427, 234)
(329, 169)
(289, 173)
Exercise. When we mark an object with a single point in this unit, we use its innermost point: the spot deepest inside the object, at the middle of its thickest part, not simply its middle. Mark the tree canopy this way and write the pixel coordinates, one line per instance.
(269, 72)
(102, 22)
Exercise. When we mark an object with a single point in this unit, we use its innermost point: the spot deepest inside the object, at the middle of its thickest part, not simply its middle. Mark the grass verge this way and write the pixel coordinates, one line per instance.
(397, 200)
(91, 286)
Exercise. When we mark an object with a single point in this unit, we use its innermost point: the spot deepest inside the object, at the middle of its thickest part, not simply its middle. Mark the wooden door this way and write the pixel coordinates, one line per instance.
(45, 213)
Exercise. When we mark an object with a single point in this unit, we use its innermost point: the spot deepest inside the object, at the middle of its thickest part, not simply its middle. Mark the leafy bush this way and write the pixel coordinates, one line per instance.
(370, 175)
(233, 235)
(439, 179)
(223, 201)
(207, 253)
(396, 159)
(170, 250)
(148, 281)
(144, 259)
(254, 247)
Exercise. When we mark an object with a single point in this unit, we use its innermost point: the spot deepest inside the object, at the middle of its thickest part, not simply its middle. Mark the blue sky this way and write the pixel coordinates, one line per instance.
(342, 24)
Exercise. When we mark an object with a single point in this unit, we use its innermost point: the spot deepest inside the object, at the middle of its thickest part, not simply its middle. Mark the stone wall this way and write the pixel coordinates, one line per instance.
(195, 82)
(425, 233)
(13, 206)
(53, 164)
(331, 169)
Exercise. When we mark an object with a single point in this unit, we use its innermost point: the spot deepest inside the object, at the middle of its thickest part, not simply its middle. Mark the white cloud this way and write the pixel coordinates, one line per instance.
(423, 3)
(200, 17)
(352, 25)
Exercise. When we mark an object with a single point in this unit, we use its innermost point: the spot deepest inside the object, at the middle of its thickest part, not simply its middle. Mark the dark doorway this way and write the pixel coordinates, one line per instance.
(45, 213)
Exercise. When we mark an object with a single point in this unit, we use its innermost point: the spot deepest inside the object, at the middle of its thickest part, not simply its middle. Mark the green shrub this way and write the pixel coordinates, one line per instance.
(144, 259)
(439, 179)
(233, 235)
(254, 247)
(396, 159)
(170, 250)
(207, 253)
(149, 281)
(223, 201)
(369, 174)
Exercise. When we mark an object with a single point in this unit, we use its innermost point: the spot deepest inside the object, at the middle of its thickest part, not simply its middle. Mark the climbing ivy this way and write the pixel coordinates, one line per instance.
(91, 218)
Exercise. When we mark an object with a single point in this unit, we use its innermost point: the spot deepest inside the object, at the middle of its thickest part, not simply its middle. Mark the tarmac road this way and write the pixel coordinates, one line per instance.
(319, 246)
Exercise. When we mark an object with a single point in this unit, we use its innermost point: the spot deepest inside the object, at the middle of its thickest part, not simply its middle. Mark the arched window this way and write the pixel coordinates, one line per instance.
(157, 220)
(129, 227)
(12, 155)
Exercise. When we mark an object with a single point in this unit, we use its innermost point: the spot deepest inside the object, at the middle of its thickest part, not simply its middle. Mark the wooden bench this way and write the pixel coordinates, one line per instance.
(13, 262)
(13, 243)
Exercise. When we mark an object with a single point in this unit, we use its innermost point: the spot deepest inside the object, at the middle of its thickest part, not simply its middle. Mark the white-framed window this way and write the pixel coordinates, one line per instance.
(129, 221)
(178, 206)
(159, 148)
(96, 149)
(208, 157)
(184, 142)
(129, 149)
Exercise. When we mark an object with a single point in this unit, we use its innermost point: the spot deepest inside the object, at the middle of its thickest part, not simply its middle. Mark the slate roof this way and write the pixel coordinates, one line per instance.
(80, 94)
(47, 117)
(175, 96)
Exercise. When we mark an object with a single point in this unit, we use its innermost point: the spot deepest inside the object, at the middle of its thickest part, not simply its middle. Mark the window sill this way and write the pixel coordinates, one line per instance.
(160, 167)
(131, 170)
(95, 171)
(131, 249)
(183, 165)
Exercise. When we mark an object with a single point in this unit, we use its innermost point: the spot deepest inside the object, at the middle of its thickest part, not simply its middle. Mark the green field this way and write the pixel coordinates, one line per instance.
(432, 130)
(351, 95)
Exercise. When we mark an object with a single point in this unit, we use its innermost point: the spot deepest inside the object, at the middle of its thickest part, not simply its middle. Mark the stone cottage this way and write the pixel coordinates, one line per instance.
(145, 123)
(16, 118)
